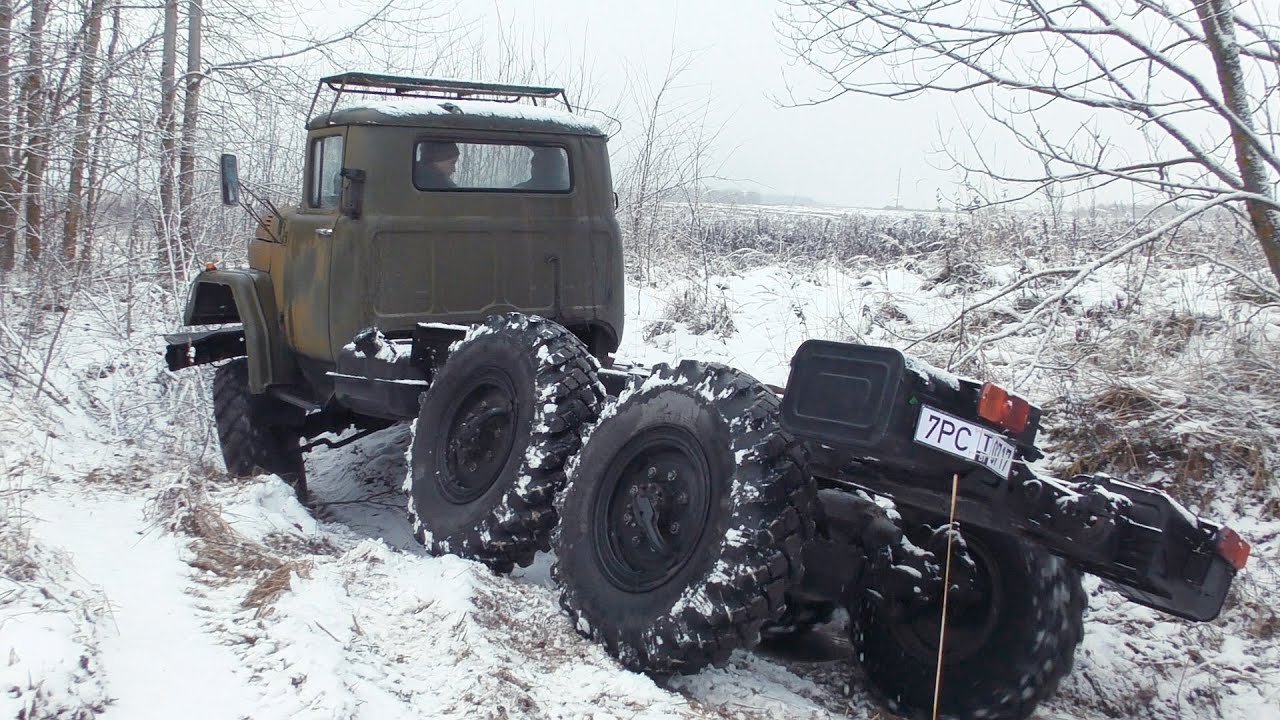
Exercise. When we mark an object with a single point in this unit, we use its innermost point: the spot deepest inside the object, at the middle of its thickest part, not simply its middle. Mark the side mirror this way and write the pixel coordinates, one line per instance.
(230, 176)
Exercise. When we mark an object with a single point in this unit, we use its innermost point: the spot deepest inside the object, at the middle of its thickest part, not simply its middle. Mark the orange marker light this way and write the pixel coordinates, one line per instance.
(1233, 548)
(1018, 414)
(996, 405)
(991, 402)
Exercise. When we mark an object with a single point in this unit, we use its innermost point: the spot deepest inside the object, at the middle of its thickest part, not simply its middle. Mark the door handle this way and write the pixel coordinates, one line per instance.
(324, 232)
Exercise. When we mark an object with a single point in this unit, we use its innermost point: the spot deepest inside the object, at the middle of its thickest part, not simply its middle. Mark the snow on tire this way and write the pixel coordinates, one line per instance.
(1006, 650)
(684, 520)
(502, 416)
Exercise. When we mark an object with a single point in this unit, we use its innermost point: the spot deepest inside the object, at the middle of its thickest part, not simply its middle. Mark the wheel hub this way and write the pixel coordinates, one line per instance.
(652, 509)
(480, 440)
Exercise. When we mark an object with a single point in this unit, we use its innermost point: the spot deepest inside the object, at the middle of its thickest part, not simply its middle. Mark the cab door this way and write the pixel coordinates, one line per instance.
(308, 270)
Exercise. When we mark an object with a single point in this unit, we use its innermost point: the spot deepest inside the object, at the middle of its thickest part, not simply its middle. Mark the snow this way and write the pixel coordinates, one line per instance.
(410, 107)
(388, 381)
(152, 635)
(444, 326)
(386, 350)
(112, 619)
(50, 641)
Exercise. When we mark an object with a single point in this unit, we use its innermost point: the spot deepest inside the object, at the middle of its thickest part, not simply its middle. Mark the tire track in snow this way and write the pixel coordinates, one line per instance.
(157, 657)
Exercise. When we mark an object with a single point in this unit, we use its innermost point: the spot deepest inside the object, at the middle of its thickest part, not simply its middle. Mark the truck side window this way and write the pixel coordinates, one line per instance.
(326, 167)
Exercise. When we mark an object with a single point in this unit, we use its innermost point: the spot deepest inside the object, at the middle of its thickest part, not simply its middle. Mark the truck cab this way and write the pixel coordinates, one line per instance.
(383, 239)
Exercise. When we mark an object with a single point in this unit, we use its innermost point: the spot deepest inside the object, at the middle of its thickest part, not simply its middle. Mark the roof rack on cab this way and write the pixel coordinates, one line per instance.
(398, 86)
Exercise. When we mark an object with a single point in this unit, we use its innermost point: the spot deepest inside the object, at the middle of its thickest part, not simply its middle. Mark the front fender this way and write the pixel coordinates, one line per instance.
(244, 296)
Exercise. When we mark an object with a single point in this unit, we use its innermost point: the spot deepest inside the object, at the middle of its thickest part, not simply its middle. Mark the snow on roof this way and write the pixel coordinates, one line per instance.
(459, 113)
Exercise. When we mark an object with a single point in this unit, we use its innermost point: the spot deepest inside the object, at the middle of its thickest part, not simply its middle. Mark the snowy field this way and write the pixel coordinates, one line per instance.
(137, 581)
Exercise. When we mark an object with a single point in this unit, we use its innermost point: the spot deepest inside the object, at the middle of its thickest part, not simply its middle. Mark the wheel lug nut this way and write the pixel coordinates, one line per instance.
(671, 475)
(634, 490)
(626, 517)
(635, 541)
(653, 472)
(682, 499)
(471, 467)
(675, 528)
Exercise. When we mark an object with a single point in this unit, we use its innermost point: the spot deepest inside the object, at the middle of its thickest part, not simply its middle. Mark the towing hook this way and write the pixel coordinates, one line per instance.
(1032, 489)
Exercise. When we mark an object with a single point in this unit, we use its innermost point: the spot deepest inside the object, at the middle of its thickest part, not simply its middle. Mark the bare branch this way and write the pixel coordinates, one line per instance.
(1132, 71)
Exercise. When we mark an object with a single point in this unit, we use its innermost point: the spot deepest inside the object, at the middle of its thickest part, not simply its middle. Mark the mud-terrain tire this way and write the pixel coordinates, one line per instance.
(1007, 649)
(257, 433)
(800, 618)
(502, 416)
(684, 521)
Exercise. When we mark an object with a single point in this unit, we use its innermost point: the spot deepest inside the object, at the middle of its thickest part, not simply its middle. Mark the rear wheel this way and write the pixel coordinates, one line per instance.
(258, 433)
(1009, 638)
(494, 431)
(684, 521)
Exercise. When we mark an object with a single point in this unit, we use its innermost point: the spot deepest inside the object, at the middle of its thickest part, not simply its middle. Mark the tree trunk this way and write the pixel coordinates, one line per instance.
(168, 103)
(9, 175)
(37, 130)
(1219, 31)
(80, 144)
(99, 145)
(190, 123)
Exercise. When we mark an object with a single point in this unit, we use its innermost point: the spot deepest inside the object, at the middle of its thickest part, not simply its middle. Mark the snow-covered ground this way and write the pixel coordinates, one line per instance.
(136, 581)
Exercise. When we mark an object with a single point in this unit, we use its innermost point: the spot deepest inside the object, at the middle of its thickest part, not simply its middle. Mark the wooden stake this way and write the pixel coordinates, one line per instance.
(946, 591)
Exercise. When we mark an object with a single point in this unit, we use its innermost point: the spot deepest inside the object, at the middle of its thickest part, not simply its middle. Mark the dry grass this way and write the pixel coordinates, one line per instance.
(976, 324)
(273, 584)
(223, 552)
(702, 310)
(1187, 402)
(1167, 365)
(16, 562)
(1251, 601)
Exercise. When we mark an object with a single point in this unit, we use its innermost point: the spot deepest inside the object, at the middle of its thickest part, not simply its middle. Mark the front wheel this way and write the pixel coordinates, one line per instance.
(1009, 639)
(684, 521)
(502, 416)
(258, 434)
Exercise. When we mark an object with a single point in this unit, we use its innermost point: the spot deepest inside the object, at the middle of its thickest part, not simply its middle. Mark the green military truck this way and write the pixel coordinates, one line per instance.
(455, 262)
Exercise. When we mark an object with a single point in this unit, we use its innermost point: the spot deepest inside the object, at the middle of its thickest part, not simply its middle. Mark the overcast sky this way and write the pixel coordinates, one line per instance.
(848, 152)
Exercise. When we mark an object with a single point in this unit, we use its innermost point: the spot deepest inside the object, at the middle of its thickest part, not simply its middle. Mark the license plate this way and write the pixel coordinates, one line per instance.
(964, 439)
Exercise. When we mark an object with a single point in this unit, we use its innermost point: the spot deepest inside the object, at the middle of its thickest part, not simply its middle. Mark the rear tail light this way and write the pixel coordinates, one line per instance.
(996, 405)
(1233, 548)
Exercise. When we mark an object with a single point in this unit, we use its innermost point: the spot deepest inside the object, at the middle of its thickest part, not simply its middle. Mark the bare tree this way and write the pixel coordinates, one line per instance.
(34, 95)
(83, 130)
(111, 140)
(190, 125)
(99, 145)
(1175, 97)
(666, 158)
(9, 174)
(168, 135)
